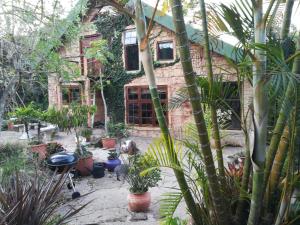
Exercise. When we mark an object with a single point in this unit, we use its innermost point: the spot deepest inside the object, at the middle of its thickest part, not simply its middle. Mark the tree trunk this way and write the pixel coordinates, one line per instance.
(277, 168)
(288, 99)
(104, 104)
(260, 117)
(215, 125)
(146, 57)
(221, 209)
(241, 214)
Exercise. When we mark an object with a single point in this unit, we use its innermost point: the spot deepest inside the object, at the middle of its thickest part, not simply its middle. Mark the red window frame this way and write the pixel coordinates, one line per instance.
(70, 96)
(143, 106)
(84, 43)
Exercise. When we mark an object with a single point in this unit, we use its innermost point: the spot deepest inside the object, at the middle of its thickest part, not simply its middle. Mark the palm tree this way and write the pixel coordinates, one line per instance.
(221, 210)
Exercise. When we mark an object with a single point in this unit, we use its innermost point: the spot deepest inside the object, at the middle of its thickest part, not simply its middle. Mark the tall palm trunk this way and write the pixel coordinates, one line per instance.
(215, 125)
(289, 96)
(220, 207)
(146, 57)
(260, 117)
(240, 215)
(277, 167)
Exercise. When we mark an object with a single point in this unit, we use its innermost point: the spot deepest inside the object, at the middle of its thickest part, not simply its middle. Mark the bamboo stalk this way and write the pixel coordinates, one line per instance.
(220, 208)
(146, 57)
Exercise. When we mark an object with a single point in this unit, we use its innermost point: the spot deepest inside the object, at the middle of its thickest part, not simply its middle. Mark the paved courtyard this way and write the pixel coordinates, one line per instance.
(108, 196)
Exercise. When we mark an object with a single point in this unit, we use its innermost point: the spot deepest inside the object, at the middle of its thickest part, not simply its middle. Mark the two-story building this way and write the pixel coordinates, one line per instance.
(139, 112)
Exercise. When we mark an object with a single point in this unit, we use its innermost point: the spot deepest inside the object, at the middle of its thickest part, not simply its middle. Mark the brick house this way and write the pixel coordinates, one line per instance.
(139, 112)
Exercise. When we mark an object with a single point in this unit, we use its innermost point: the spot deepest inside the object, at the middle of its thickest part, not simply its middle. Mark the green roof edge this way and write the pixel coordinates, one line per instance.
(194, 34)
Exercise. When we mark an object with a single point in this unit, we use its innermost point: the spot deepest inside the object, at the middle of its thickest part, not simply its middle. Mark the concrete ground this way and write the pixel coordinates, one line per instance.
(107, 197)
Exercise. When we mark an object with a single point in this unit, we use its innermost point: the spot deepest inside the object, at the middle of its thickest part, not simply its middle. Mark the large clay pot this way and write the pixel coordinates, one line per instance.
(109, 142)
(139, 202)
(40, 149)
(85, 165)
(111, 164)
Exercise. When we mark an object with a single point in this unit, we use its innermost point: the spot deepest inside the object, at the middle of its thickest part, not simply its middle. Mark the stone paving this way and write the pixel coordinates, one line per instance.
(107, 196)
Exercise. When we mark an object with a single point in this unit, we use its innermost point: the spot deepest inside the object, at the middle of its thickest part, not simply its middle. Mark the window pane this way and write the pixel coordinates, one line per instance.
(162, 94)
(146, 113)
(75, 95)
(145, 94)
(165, 51)
(229, 113)
(65, 96)
(132, 93)
(132, 57)
(130, 37)
(133, 113)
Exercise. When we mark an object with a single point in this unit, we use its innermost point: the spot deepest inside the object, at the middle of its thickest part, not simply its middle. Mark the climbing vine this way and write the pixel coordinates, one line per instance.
(111, 27)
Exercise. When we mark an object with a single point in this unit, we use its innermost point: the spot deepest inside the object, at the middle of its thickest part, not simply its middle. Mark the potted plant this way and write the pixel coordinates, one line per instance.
(139, 198)
(86, 133)
(29, 113)
(112, 161)
(54, 147)
(75, 118)
(114, 131)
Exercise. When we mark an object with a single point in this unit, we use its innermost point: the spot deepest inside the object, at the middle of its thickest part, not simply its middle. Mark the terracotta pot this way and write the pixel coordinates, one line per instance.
(109, 142)
(139, 202)
(85, 166)
(41, 150)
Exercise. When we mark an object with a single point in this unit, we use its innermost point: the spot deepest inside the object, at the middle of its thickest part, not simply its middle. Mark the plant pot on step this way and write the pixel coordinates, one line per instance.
(85, 165)
(40, 149)
(109, 142)
(139, 202)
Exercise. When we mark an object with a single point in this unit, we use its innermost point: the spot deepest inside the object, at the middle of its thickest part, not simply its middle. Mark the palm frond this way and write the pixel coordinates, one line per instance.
(169, 204)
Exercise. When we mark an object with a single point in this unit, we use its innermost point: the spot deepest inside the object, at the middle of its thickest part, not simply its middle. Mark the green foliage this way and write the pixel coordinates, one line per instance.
(26, 113)
(117, 130)
(86, 132)
(140, 183)
(111, 26)
(53, 147)
(112, 155)
(12, 158)
(72, 117)
(33, 200)
(100, 51)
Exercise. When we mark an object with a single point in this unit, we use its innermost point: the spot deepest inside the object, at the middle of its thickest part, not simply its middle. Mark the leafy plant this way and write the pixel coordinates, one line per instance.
(33, 200)
(12, 158)
(54, 147)
(117, 130)
(140, 183)
(112, 155)
(86, 132)
(74, 117)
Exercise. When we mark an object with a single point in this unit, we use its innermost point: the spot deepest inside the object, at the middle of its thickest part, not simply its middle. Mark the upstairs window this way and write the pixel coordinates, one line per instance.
(71, 95)
(165, 51)
(131, 51)
(93, 65)
(140, 110)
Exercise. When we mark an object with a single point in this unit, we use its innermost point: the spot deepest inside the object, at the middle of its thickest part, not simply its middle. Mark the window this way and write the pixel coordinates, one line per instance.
(230, 112)
(131, 51)
(165, 50)
(93, 65)
(140, 110)
(70, 95)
